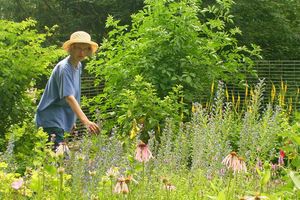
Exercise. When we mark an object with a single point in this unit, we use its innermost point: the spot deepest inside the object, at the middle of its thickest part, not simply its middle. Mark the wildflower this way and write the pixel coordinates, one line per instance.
(143, 153)
(259, 164)
(62, 150)
(130, 179)
(195, 107)
(17, 184)
(256, 197)
(104, 180)
(169, 187)
(112, 172)
(232, 161)
(209, 176)
(242, 165)
(80, 156)
(121, 186)
(222, 172)
(94, 197)
(135, 129)
(92, 173)
(274, 167)
(61, 170)
(281, 157)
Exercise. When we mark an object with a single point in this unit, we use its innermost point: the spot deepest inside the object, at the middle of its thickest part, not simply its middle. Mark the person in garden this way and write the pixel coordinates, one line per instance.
(60, 103)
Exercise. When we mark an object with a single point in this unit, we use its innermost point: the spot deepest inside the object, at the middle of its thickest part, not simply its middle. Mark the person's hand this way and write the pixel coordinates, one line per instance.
(92, 127)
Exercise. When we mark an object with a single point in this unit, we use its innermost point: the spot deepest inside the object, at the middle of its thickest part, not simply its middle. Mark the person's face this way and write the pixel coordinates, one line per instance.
(80, 50)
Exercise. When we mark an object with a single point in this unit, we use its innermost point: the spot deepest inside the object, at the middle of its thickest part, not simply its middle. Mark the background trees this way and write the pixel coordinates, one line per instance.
(70, 15)
(274, 25)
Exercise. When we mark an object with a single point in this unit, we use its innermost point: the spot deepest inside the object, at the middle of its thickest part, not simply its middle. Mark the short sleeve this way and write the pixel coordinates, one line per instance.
(65, 83)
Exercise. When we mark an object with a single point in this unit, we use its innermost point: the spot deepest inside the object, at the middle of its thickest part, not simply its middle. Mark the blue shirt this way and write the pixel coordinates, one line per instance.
(53, 110)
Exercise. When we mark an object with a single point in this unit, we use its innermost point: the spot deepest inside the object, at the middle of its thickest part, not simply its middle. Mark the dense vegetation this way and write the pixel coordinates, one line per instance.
(170, 127)
(273, 25)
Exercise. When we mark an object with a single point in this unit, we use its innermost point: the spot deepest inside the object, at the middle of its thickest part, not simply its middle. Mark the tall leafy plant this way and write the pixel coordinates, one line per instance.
(23, 59)
(168, 44)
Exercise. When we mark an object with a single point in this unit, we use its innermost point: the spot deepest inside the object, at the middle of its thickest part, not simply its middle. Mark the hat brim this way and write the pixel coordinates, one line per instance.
(68, 43)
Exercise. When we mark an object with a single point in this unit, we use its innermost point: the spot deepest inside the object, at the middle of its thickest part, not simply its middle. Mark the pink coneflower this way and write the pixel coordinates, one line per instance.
(232, 161)
(130, 179)
(257, 197)
(281, 157)
(242, 165)
(121, 186)
(169, 187)
(143, 153)
(17, 184)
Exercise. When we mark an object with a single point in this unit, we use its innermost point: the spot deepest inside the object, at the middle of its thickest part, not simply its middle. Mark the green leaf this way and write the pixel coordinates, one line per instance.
(296, 162)
(266, 177)
(3, 165)
(50, 169)
(296, 139)
(221, 195)
(295, 178)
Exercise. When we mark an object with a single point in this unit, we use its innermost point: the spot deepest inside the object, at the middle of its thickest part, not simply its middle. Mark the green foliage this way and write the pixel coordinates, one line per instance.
(97, 163)
(69, 15)
(273, 25)
(138, 109)
(270, 24)
(290, 140)
(23, 59)
(295, 178)
(168, 45)
(24, 142)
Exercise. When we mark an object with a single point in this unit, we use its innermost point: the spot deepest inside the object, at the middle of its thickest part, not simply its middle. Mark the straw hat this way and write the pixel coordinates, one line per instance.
(80, 37)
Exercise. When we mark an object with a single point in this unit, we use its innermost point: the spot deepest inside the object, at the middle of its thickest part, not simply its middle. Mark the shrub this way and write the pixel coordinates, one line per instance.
(23, 59)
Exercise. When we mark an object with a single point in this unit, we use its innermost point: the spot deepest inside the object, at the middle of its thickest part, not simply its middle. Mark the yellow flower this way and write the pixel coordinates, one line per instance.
(134, 130)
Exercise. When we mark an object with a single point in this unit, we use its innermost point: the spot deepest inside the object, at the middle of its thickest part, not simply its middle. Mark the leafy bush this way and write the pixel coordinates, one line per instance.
(23, 144)
(23, 59)
(168, 45)
(138, 109)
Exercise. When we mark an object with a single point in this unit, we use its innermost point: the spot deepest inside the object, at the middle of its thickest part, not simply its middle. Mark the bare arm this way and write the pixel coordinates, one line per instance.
(80, 114)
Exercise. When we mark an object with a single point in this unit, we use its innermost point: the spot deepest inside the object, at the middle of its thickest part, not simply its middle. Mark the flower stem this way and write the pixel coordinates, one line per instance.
(229, 182)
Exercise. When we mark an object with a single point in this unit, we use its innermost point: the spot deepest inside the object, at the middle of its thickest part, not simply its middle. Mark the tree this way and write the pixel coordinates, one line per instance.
(168, 45)
(70, 15)
(273, 25)
(23, 59)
